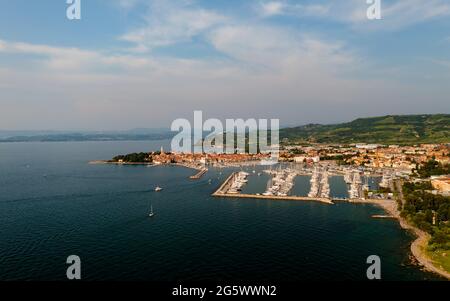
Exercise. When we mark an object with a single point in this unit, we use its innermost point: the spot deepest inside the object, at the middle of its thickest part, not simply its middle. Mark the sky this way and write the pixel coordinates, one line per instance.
(143, 63)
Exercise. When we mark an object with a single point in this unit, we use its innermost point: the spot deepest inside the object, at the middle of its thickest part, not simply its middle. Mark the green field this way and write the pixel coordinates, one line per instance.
(398, 129)
(440, 257)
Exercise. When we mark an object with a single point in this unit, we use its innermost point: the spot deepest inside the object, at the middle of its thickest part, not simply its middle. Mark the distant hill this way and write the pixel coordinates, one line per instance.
(393, 129)
(59, 136)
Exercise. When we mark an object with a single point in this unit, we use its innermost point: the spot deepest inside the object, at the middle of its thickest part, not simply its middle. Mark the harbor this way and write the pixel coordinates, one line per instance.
(233, 184)
(281, 183)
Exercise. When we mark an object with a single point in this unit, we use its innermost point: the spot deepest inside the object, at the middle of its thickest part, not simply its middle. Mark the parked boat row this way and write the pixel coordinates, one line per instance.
(239, 180)
(324, 186)
(281, 182)
(356, 191)
(320, 186)
(314, 191)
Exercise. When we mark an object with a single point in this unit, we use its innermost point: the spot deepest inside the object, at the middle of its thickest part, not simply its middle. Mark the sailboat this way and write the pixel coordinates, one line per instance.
(151, 214)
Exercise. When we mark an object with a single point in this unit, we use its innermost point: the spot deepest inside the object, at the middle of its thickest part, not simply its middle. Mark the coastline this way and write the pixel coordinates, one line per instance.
(200, 170)
(145, 163)
(121, 163)
(419, 245)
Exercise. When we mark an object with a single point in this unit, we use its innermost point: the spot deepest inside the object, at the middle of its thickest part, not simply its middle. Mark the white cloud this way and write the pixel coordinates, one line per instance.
(278, 48)
(401, 13)
(63, 58)
(171, 23)
(443, 63)
(274, 8)
(127, 3)
(273, 74)
(396, 14)
(269, 71)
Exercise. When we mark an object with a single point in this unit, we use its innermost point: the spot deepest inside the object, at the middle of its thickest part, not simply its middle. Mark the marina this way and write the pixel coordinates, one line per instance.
(281, 182)
(233, 184)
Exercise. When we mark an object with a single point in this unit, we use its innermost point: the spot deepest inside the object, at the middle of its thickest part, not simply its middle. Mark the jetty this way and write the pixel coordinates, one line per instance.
(198, 175)
(383, 216)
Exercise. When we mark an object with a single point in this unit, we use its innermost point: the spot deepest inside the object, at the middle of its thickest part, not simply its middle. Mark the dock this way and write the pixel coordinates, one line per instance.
(198, 175)
(222, 192)
(383, 216)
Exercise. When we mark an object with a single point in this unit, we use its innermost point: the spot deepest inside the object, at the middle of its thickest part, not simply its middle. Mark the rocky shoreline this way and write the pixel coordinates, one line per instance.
(419, 245)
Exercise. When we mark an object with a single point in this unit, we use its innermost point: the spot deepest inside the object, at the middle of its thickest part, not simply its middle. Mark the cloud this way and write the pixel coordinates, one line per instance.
(443, 63)
(277, 48)
(274, 8)
(400, 14)
(396, 14)
(272, 73)
(63, 58)
(265, 71)
(169, 23)
(127, 3)
(267, 68)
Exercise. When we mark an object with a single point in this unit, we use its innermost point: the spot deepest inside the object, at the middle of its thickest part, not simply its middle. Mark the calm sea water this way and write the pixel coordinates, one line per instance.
(54, 204)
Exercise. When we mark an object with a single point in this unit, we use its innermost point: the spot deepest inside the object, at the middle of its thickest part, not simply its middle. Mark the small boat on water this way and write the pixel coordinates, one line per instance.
(151, 214)
(157, 189)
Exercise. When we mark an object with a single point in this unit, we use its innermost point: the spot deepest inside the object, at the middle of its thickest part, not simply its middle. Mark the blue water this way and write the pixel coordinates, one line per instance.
(54, 204)
(338, 187)
(302, 186)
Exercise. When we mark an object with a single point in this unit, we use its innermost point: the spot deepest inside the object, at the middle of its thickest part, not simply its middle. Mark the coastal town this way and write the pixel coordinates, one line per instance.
(225, 148)
(356, 163)
(392, 177)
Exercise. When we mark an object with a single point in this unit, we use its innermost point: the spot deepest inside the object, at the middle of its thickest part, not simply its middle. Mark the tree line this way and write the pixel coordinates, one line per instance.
(429, 212)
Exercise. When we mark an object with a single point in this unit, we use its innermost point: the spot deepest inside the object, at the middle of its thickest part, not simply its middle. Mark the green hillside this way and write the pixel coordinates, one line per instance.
(398, 129)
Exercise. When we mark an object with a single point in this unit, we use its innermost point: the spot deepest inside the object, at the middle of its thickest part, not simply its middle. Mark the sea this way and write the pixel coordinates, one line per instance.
(54, 204)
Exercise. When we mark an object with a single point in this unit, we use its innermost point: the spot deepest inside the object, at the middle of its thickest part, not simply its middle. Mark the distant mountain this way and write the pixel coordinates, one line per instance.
(60, 136)
(12, 133)
(393, 129)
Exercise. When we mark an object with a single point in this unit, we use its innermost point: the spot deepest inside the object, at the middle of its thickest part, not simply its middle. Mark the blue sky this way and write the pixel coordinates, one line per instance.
(144, 63)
